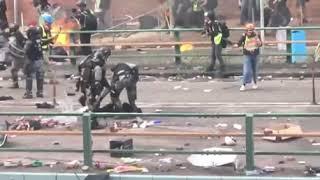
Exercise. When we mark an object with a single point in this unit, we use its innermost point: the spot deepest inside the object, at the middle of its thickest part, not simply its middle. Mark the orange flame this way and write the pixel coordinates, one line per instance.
(66, 25)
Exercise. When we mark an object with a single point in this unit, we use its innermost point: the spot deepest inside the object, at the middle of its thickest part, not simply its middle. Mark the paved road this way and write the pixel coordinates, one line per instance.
(277, 95)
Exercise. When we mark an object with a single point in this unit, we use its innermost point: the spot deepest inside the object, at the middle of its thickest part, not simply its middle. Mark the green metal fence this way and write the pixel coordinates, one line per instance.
(87, 150)
(75, 176)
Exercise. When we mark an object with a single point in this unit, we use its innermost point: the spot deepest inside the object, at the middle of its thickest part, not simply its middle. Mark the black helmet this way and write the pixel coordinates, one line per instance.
(33, 33)
(13, 27)
(81, 3)
(103, 53)
(210, 15)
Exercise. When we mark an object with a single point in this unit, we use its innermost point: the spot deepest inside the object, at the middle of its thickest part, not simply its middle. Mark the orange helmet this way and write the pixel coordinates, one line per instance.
(250, 27)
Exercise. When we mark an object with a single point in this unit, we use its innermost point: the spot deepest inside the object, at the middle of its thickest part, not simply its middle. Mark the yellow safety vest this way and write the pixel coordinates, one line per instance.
(45, 36)
(218, 39)
(251, 43)
(196, 6)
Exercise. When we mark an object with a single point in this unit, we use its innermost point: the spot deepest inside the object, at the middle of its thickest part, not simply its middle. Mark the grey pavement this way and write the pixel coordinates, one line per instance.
(189, 95)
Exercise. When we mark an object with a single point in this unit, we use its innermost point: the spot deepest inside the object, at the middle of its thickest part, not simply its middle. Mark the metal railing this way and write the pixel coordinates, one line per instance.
(177, 43)
(87, 134)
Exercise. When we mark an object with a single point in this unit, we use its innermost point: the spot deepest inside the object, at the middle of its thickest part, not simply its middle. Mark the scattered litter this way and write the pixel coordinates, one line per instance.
(207, 161)
(26, 163)
(158, 110)
(55, 143)
(162, 68)
(51, 164)
(301, 78)
(221, 126)
(289, 158)
(281, 162)
(11, 164)
(237, 126)
(73, 164)
(44, 105)
(301, 162)
(37, 163)
(25, 123)
(187, 144)
(185, 89)
(259, 78)
(177, 87)
(269, 77)
(312, 141)
(179, 148)
(274, 118)
(290, 78)
(130, 160)
(102, 165)
(315, 144)
(188, 123)
(207, 90)
(269, 169)
(282, 129)
(6, 98)
(85, 168)
(146, 68)
(125, 168)
(304, 66)
(166, 160)
(229, 141)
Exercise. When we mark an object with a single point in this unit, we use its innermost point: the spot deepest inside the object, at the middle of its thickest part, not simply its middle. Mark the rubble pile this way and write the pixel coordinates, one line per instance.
(32, 124)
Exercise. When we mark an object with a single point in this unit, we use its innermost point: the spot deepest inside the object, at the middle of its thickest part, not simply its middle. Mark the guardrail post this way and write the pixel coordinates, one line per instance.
(87, 141)
(249, 144)
(177, 48)
(289, 46)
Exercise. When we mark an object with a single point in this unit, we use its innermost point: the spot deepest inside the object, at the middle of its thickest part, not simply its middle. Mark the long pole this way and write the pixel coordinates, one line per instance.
(262, 19)
(15, 7)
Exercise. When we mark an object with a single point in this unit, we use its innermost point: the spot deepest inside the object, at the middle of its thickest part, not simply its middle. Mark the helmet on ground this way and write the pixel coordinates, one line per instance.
(250, 27)
(47, 18)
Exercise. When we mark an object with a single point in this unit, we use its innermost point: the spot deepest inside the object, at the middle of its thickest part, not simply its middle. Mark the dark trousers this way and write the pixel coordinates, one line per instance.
(216, 53)
(85, 38)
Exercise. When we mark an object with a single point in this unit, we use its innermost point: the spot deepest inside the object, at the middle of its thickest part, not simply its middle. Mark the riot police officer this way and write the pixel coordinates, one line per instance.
(34, 62)
(93, 83)
(16, 53)
(125, 76)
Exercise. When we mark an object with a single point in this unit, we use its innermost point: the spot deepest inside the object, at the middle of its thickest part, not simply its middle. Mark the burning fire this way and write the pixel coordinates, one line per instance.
(66, 25)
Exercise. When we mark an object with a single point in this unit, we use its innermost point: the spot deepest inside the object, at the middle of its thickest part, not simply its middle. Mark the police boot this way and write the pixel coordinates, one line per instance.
(40, 88)
(28, 94)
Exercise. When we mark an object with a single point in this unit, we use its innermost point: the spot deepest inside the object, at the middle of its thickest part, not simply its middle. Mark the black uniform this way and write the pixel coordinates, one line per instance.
(3, 16)
(16, 53)
(34, 62)
(85, 38)
(125, 76)
(93, 83)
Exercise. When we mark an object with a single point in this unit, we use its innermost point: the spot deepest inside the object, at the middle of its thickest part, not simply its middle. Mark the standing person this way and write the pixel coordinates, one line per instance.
(251, 42)
(3, 15)
(101, 9)
(34, 61)
(301, 5)
(197, 13)
(46, 36)
(16, 53)
(88, 22)
(218, 33)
